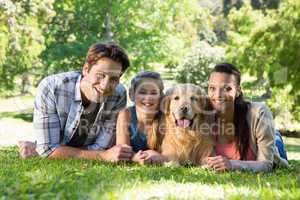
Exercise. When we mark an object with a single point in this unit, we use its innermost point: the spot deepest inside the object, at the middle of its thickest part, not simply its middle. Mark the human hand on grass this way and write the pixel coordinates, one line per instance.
(153, 157)
(139, 157)
(120, 152)
(218, 163)
(27, 149)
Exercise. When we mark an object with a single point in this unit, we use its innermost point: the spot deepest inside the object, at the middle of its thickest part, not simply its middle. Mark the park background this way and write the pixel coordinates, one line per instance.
(181, 39)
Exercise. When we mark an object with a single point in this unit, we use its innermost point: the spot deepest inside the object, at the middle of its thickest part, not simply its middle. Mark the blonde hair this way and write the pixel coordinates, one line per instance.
(155, 136)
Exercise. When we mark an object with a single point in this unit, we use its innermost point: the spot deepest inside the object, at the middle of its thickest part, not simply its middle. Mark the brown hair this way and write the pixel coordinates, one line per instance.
(154, 136)
(108, 50)
(241, 107)
(137, 80)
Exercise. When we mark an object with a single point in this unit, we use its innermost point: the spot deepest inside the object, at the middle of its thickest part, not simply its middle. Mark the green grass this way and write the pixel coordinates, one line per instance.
(38, 178)
(293, 148)
(26, 115)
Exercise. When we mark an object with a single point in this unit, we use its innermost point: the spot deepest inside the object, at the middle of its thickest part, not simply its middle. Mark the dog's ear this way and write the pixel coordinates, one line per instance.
(205, 116)
(205, 105)
(165, 102)
(202, 103)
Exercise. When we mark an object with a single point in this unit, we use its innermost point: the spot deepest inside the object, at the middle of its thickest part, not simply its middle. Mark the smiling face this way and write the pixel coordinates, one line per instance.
(222, 90)
(100, 79)
(147, 96)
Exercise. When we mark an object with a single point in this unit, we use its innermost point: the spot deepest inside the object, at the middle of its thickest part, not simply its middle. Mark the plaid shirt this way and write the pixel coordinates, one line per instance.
(58, 108)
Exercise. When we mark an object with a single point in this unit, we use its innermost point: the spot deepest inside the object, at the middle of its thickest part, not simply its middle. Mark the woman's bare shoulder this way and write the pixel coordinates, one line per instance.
(125, 114)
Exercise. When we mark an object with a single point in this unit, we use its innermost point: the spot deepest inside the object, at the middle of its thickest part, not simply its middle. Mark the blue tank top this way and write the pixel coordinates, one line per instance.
(138, 140)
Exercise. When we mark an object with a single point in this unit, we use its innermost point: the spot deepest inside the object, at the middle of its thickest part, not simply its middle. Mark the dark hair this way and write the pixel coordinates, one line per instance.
(108, 50)
(241, 107)
(146, 74)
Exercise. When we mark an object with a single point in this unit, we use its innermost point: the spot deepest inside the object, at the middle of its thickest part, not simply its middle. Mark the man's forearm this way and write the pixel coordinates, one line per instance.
(65, 152)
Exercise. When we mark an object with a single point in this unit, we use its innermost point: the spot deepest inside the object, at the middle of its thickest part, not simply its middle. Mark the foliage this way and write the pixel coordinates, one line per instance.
(265, 44)
(196, 65)
(260, 43)
(203, 53)
(21, 37)
(286, 114)
(38, 178)
(41, 37)
(150, 31)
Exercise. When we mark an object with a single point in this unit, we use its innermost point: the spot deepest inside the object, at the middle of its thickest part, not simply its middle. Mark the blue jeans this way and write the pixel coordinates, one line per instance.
(279, 144)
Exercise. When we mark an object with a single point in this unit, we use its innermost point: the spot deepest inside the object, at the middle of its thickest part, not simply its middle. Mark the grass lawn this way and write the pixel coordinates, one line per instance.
(38, 178)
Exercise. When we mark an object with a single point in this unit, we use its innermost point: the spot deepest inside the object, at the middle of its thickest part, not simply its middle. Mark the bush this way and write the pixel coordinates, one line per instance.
(196, 65)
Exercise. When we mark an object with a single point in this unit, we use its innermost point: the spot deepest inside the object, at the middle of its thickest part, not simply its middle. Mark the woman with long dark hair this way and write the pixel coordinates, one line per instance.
(244, 134)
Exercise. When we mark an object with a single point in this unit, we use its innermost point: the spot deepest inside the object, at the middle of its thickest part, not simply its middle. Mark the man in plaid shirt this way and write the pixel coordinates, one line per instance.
(75, 113)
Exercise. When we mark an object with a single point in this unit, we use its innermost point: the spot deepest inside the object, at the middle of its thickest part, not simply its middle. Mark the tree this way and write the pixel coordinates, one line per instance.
(150, 31)
(263, 42)
(266, 44)
(198, 63)
(21, 37)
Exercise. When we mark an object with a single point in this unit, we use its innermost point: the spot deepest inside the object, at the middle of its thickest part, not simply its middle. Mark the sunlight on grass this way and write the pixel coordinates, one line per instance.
(173, 190)
(12, 130)
(38, 178)
(292, 147)
(17, 103)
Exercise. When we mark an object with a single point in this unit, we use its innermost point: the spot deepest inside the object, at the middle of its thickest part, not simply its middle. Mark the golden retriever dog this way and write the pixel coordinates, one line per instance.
(185, 111)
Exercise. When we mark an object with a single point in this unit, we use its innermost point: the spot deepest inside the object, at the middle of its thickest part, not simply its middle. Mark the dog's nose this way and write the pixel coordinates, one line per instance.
(184, 109)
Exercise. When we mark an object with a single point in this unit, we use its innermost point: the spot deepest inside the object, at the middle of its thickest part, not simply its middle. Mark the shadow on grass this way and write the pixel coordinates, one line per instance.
(293, 148)
(26, 115)
(84, 179)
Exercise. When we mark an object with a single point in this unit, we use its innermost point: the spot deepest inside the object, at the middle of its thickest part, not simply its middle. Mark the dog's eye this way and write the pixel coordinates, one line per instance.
(194, 98)
(176, 98)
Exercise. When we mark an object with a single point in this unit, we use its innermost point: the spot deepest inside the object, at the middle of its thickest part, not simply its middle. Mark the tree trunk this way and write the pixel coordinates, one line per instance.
(108, 32)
